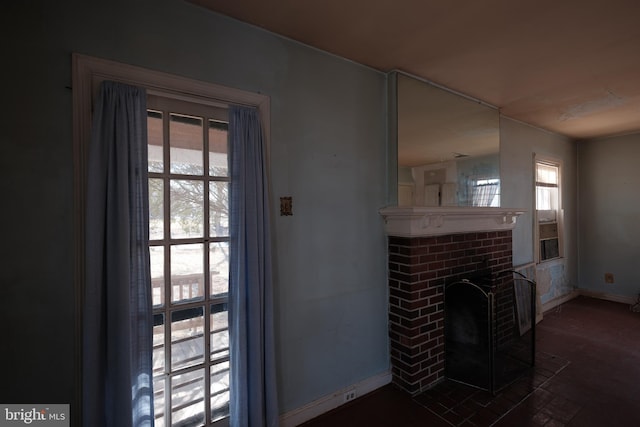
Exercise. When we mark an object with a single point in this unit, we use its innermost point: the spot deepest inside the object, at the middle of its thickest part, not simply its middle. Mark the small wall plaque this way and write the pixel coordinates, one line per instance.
(286, 206)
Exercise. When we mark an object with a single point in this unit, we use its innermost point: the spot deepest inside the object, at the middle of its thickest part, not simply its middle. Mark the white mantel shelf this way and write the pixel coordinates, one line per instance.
(422, 221)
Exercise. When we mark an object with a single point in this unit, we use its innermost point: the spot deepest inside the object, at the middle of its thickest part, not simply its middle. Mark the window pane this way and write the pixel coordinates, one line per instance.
(219, 331)
(186, 141)
(547, 174)
(219, 209)
(546, 198)
(549, 249)
(187, 337)
(189, 258)
(219, 268)
(218, 148)
(219, 391)
(485, 192)
(158, 344)
(187, 272)
(158, 401)
(156, 258)
(156, 209)
(154, 135)
(187, 393)
(187, 208)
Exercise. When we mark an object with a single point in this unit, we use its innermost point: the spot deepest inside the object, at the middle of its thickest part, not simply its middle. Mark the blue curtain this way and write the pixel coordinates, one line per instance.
(117, 316)
(253, 383)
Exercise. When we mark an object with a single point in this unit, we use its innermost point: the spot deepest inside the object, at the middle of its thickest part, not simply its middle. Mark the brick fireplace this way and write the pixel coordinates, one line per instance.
(428, 248)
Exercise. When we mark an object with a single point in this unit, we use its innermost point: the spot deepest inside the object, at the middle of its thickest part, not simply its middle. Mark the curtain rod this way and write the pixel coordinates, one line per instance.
(189, 97)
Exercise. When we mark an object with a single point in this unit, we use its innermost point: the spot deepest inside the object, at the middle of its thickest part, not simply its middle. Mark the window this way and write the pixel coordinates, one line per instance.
(190, 311)
(189, 248)
(548, 212)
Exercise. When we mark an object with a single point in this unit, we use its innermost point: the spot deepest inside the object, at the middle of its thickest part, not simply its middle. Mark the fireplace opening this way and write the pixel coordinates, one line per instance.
(489, 329)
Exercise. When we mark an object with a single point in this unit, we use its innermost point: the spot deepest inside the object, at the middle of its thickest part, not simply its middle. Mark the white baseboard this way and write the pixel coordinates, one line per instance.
(610, 297)
(550, 305)
(327, 403)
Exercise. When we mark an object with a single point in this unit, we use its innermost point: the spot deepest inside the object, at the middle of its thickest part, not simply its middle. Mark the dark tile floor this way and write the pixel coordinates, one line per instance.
(587, 374)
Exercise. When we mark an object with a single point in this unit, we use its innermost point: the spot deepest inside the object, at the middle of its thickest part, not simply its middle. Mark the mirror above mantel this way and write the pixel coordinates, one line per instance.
(447, 146)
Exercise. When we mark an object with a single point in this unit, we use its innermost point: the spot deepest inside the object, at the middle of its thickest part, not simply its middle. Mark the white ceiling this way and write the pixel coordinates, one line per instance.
(568, 66)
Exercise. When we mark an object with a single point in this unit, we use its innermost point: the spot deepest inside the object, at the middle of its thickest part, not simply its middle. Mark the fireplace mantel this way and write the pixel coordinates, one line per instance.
(422, 221)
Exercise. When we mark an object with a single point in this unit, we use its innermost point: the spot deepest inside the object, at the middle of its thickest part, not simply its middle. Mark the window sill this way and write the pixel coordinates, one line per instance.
(551, 261)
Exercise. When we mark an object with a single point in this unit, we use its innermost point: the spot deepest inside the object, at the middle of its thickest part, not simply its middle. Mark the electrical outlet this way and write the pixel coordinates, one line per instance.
(349, 396)
(608, 278)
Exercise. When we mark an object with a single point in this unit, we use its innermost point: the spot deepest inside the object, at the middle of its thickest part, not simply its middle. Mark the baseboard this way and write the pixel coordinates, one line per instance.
(550, 305)
(332, 401)
(609, 297)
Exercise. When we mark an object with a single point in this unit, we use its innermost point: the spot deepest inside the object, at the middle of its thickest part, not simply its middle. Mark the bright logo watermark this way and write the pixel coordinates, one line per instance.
(36, 415)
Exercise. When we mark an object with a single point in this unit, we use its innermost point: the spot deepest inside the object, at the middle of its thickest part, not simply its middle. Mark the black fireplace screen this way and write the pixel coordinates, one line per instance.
(489, 330)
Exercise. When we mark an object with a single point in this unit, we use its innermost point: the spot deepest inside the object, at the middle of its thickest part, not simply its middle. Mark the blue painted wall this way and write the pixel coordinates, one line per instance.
(518, 144)
(609, 183)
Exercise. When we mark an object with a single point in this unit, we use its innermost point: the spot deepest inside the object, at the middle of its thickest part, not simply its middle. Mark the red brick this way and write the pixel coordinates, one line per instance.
(437, 334)
(444, 273)
(437, 349)
(416, 304)
(402, 294)
(425, 293)
(404, 367)
(436, 265)
(444, 239)
(428, 381)
(437, 282)
(435, 367)
(436, 299)
(403, 313)
(413, 378)
(427, 364)
(398, 330)
(421, 267)
(426, 241)
(428, 328)
(415, 323)
(429, 345)
(428, 275)
(401, 277)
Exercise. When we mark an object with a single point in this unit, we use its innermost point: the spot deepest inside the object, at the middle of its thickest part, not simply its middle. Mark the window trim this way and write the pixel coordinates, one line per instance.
(551, 161)
(87, 74)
